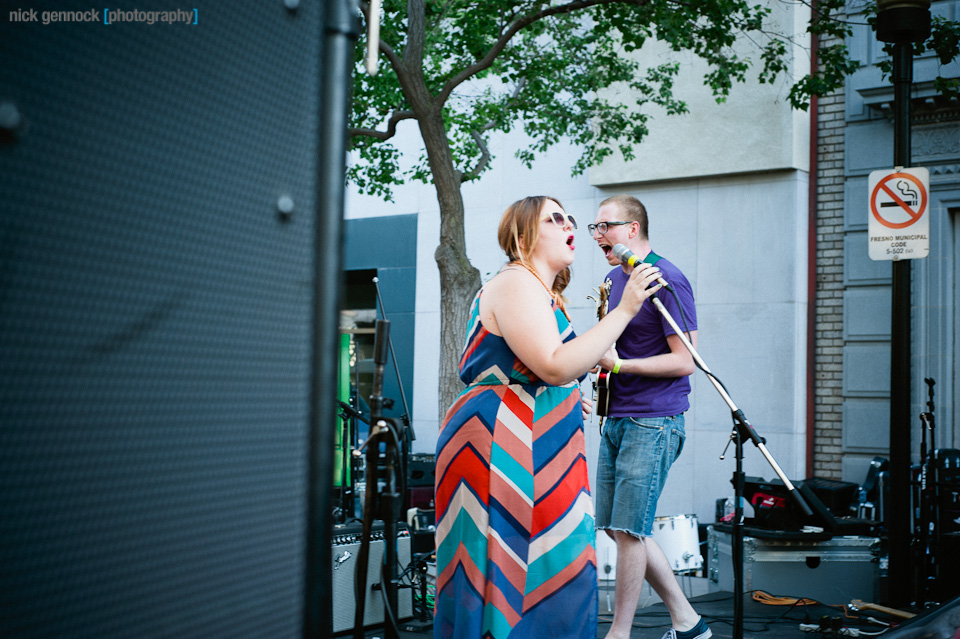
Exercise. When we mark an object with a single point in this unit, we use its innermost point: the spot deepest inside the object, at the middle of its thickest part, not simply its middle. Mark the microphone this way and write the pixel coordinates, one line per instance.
(627, 256)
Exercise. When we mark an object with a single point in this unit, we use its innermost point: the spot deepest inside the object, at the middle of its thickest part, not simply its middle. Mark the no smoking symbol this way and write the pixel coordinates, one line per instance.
(904, 196)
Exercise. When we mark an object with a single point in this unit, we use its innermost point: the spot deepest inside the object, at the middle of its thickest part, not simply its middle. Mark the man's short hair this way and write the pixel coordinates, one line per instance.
(633, 210)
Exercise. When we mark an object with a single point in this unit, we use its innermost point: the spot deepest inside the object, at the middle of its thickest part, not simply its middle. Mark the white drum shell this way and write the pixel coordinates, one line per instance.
(679, 539)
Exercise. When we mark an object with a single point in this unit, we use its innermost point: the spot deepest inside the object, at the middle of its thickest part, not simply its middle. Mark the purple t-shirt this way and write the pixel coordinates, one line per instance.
(645, 336)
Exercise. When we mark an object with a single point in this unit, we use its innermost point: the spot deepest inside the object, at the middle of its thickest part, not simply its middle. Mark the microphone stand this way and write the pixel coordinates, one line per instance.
(405, 418)
(350, 412)
(407, 434)
(742, 430)
(388, 500)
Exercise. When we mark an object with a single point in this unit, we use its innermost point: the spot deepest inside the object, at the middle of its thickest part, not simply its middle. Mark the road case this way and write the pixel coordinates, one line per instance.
(832, 571)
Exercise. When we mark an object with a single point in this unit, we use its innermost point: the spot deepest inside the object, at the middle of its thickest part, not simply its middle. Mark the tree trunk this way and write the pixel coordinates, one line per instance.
(459, 280)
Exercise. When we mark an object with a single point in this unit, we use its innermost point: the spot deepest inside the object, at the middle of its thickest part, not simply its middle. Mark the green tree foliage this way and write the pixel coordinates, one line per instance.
(944, 42)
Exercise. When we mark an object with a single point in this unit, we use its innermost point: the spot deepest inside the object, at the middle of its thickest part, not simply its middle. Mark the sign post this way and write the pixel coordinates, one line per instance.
(899, 221)
(901, 23)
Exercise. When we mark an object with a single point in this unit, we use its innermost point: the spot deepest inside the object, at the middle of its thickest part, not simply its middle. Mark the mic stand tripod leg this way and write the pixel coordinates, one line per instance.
(389, 502)
(390, 499)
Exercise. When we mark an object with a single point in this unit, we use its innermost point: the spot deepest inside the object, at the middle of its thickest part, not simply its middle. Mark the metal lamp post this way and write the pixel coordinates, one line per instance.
(902, 23)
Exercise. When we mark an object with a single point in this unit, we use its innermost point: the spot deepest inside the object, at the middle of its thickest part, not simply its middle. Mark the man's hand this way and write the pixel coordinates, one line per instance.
(609, 358)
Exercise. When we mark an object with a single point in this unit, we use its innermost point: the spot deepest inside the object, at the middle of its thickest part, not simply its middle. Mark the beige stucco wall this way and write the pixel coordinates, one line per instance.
(755, 129)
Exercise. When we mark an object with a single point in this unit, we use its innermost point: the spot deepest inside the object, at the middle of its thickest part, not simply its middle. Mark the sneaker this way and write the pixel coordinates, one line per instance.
(699, 631)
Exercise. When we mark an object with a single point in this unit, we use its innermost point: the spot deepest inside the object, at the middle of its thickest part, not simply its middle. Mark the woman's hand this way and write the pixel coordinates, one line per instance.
(586, 407)
(639, 288)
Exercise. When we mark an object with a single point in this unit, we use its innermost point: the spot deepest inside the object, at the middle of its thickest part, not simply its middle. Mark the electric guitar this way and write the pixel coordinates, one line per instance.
(601, 384)
(857, 605)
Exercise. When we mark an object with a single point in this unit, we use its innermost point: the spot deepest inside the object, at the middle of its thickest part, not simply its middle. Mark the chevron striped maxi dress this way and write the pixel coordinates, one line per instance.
(515, 538)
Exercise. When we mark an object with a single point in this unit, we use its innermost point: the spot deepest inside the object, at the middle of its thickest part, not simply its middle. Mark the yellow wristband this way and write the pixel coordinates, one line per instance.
(616, 367)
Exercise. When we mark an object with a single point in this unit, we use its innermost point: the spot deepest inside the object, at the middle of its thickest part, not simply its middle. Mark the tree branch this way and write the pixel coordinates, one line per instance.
(484, 151)
(487, 60)
(484, 157)
(395, 119)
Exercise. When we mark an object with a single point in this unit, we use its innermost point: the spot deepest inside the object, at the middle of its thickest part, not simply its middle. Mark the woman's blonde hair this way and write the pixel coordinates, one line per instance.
(519, 231)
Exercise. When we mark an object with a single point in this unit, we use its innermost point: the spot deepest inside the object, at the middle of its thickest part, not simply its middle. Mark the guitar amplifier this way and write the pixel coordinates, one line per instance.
(345, 549)
(421, 470)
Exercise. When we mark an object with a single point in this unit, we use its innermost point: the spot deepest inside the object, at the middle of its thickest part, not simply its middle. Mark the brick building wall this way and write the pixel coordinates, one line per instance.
(828, 353)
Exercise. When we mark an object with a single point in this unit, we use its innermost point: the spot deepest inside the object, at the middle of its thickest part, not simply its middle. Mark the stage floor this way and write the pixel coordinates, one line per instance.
(761, 620)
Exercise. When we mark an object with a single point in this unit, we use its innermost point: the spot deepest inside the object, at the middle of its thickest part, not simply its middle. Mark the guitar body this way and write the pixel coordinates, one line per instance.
(601, 387)
(602, 383)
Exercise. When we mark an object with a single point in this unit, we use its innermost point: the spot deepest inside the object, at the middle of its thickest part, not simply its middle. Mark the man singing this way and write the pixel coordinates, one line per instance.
(643, 434)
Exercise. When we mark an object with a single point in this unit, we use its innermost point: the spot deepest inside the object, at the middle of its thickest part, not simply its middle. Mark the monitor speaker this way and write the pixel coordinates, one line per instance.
(345, 548)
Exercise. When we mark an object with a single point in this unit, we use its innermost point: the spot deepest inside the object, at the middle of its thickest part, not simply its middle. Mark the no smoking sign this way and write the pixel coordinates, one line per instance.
(899, 222)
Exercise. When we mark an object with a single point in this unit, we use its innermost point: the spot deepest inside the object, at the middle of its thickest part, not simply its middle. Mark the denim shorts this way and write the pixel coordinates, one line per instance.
(635, 455)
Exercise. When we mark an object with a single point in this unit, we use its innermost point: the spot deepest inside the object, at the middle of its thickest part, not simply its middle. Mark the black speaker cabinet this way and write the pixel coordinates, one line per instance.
(345, 548)
(157, 312)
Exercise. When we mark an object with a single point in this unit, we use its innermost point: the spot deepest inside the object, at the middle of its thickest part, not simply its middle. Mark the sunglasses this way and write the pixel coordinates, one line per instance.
(559, 220)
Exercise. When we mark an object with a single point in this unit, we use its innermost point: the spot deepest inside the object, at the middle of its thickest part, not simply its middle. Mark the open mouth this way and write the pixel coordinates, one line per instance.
(570, 241)
(606, 248)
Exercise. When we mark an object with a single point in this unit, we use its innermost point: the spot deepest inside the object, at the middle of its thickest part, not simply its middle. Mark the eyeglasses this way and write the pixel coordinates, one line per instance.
(559, 220)
(603, 227)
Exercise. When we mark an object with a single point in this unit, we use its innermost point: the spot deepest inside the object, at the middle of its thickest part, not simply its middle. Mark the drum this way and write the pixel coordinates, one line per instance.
(679, 539)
